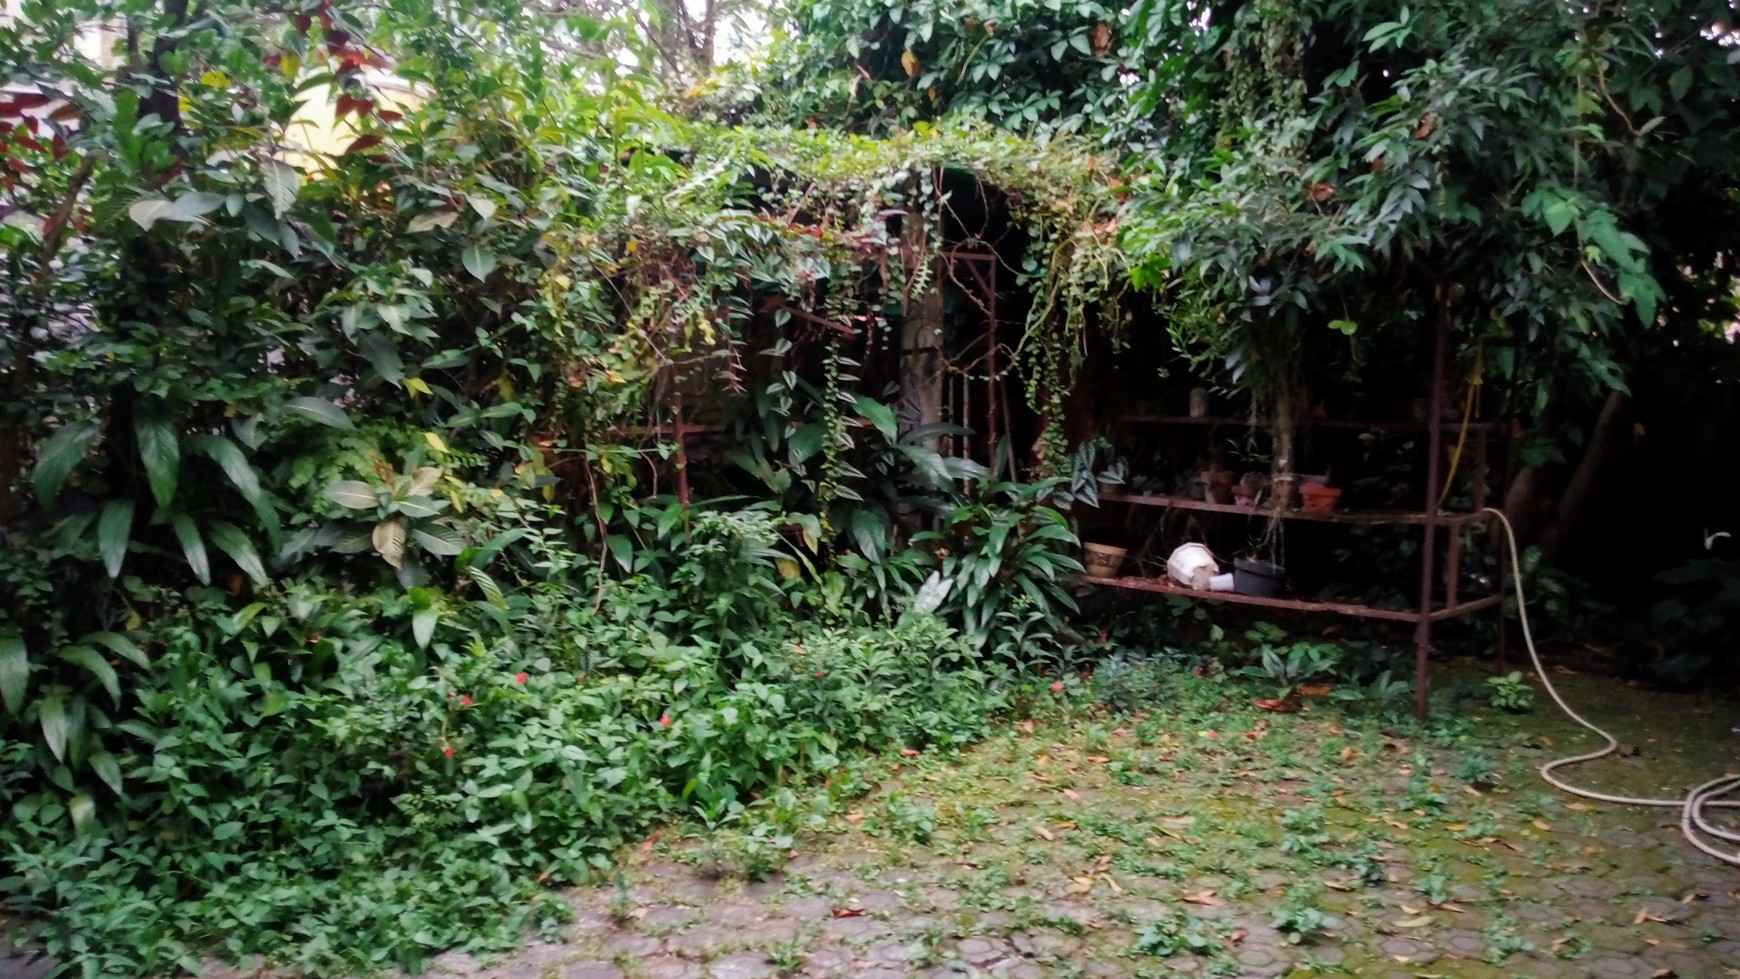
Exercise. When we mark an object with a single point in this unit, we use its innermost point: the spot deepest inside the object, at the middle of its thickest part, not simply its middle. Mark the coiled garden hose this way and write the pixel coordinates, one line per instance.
(1695, 802)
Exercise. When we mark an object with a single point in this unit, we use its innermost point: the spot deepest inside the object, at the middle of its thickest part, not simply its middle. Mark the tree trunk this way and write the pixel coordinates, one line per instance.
(1283, 472)
(1610, 444)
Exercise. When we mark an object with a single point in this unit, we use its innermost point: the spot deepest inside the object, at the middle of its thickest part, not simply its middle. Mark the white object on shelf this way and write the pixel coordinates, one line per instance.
(1193, 566)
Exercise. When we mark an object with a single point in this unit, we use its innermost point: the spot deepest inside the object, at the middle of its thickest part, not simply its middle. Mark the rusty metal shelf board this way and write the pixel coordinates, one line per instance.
(1163, 586)
(1334, 516)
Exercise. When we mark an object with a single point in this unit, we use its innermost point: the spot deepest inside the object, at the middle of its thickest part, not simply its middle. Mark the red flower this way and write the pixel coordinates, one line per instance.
(519, 678)
(465, 701)
(820, 674)
(1198, 671)
(665, 720)
(579, 679)
(1057, 687)
(447, 750)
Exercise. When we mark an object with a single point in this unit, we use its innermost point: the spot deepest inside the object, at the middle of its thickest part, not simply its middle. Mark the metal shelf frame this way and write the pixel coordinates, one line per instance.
(1431, 607)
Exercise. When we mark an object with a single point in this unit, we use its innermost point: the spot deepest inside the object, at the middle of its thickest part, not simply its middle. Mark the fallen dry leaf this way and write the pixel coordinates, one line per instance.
(1072, 794)
(854, 818)
(1098, 759)
(1420, 922)
(1235, 936)
(1044, 833)
(1543, 825)
(848, 912)
(909, 752)
(1204, 898)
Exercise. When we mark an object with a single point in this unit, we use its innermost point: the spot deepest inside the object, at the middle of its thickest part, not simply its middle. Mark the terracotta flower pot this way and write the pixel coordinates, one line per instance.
(1319, 498)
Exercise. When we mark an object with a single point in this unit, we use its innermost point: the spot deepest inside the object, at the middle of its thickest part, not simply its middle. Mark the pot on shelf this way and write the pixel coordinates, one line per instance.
(1102, 560)
(1260, 579)
(1220, 486)
(1319, 498)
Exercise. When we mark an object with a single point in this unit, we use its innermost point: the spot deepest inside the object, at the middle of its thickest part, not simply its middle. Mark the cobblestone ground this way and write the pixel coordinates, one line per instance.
(1211, 841)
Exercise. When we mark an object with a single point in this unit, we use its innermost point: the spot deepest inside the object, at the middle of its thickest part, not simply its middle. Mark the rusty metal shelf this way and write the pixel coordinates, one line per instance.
(1164, 586)
(1333, 516)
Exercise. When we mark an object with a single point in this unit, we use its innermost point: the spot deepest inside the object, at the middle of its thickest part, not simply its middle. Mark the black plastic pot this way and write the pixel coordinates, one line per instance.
(1260, 579)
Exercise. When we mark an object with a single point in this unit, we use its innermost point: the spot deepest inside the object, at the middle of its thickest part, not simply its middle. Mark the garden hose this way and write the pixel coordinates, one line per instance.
(1692, 806)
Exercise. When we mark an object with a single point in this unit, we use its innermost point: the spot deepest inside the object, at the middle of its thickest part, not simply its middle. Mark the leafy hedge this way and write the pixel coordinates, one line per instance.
(320, 790)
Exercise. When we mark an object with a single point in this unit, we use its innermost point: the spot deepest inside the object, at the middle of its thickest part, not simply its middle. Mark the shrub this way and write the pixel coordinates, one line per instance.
(310, 784)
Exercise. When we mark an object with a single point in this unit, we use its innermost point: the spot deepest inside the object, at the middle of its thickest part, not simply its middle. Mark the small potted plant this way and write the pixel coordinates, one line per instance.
(1257, 576)
(1250, 486)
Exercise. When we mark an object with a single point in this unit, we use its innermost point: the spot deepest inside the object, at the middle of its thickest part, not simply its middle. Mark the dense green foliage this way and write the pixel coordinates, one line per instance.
(1556, 180)
(1045, 68)
(379, 626)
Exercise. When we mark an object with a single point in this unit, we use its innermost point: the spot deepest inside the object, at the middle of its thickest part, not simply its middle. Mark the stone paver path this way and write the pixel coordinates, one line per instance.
(1292, 845)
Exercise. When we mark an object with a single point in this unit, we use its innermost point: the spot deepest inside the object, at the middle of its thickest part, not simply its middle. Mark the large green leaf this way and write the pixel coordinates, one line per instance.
(878, 413)
(230, 539)
(14, 671)
(192, 547)
(869, 532)
(491, 591)
(353, 493)
(320, 410)
(121, 646)
(418, 507)
(57, 457)
(94, 664)
(438, 540)
(282, 182)
(160, 448)
(228, 455)
(114, 530)
(56, 723)
(107, 769)
(805, 442)
(478, 260)
(190, 207)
